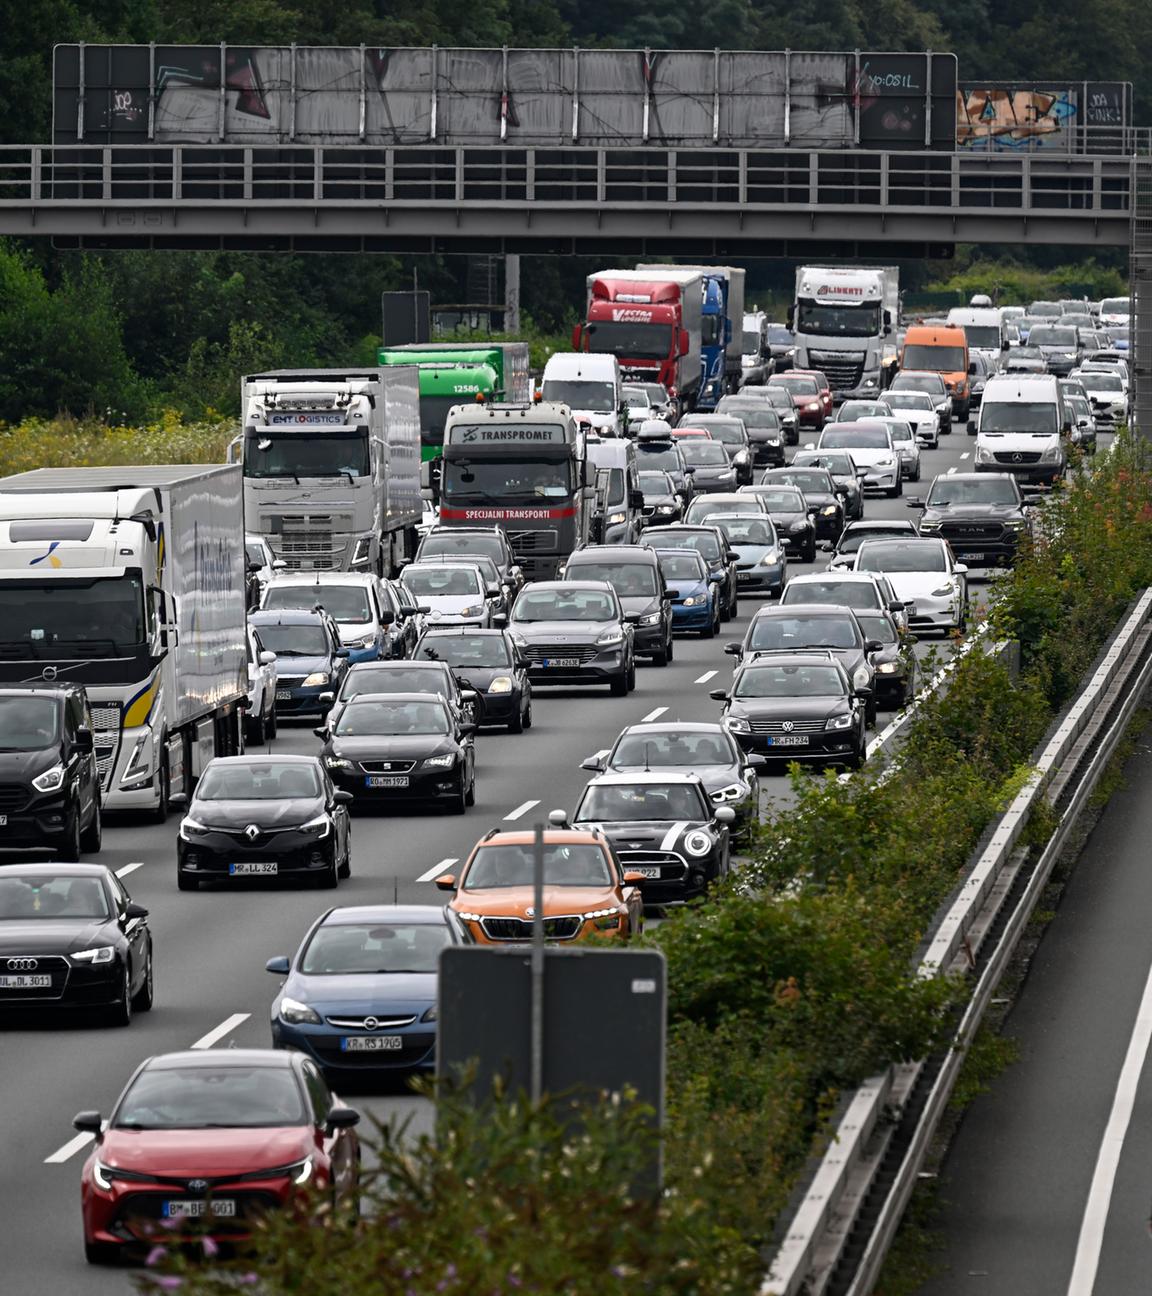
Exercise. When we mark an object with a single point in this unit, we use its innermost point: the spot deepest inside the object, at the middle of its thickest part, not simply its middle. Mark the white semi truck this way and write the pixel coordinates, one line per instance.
(332, 466)
(844, 320)
(130, 581)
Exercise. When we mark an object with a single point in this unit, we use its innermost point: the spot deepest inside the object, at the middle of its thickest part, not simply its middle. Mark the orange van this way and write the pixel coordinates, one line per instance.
(944, 351)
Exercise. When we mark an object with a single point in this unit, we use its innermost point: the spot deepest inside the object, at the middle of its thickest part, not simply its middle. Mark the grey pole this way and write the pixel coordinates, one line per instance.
(512, 293)
(536, 1081)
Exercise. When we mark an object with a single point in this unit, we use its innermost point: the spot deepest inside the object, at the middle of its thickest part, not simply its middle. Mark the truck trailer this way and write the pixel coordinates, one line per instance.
(844, 319)
(131, 581)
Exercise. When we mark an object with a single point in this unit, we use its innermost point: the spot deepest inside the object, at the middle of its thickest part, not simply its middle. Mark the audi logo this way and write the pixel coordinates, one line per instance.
(23, 964)
(370, 1023)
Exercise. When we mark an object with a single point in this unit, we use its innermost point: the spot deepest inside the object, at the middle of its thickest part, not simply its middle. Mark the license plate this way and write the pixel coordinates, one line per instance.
(975, 557)
(371, 1043)
(283, 695)
(561, 662)
(645, 870)
(3, 821)
(25, 982)
(262, 868)
(224, 1207)
(789, 740)
(387, 781)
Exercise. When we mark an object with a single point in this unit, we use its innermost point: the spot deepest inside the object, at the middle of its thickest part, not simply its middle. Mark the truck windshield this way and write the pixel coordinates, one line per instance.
(839, 321)
(1022, 416)
(983, 335)
(632, 339)
(750, 345)
(434, 414)
(487, 479)
(580, 394)
(943, 359)
(325, 453)
(64, 618)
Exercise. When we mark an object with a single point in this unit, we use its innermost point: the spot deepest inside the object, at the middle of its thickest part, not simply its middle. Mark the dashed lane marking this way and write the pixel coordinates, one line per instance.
(436, 870)
(654, 714)
(522, 810)
(225, 1028)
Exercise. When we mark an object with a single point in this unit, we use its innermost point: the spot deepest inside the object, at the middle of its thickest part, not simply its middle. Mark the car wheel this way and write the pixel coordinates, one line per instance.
(809, 554)
(120, 1012)
(459, 802)
(330, 877)
(160, 814)
(93, 835)
(528, 715)
(101, 1253)
(144, 996)
(870, 714)
(712, 629)
(631, 676)
(858, 757)
(345, 869)
(664, 656)
(470, 795)
(69, 848)
(516, 724)
(256, 731)
(270, 721)
(619, 685)
(186, 883)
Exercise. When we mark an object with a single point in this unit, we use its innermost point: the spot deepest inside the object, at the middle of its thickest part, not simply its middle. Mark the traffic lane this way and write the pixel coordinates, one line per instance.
(1016, 1179)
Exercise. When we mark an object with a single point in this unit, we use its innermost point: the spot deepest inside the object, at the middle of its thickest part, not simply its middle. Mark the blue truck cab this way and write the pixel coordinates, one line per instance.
(715, 335)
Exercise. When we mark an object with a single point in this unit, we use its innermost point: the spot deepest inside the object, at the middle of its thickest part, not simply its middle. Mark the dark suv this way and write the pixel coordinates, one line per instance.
(981, 515)
(49, 780)
(634, 573)
(574, 632)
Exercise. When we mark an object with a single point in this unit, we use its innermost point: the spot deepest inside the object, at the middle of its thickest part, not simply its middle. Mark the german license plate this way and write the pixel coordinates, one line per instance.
(741, 577)
(975, 557)
(258, 868)
(3, 821)
(561, 662)
(387, 781)
(223, 1207)
(645, 870)
(25, 982)
(371, 1043)
(789, 740)
(283, 695)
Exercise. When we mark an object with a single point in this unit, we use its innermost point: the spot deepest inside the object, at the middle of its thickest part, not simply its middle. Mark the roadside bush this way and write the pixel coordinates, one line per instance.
(64, 442)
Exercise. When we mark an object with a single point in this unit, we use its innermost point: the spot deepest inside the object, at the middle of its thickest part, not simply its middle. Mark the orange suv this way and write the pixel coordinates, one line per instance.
(586, 891)
(941, 350)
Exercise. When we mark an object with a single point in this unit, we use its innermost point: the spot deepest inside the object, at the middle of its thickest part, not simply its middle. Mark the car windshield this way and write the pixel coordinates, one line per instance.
(684, 567)
(465, 650)
(295, 640)
(1115, 306)
(726, 433)
(1104, 382)
(900, 432)
(52, 897)
(394, 677)
(211, 1097)
(633, 802)
(1026, 353)
(580, 394)
(783, 501)
(1019, 416)
(929, 383)
(838, 462)
(966, 490)
(816, 482)
(636, 398)
(778, 335)
(28, 723)
(798, 386)
(944, 359)
(255, 554)
(575, 864)
(224, 780)
(909, 400)
(703, 452)
(708, 546)
(749, 343)
(851, 540)
(656, 393)
(441, 582)
(629, 580)
(855, 439)
(679, 750)
(373, 719)
(850, 411)
(366, 949)
(667, 458)
(564, 605)
(475, 542)
(983, 335)
(901, 557)
(878, 627)
(789, 681)
(1048, 335)
(844, 593)
(342, 602)
(656, 483)
(700, 509)
(800, 631)
(760, 415)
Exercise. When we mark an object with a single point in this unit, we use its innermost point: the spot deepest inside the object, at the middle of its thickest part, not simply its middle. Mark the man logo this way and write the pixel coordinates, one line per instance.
(788, 726)
(252, 832)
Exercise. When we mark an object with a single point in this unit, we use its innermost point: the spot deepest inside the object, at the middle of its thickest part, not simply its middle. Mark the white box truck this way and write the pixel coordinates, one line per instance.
(130, 581)
(332, 466)
(844, 320)
(589, 383)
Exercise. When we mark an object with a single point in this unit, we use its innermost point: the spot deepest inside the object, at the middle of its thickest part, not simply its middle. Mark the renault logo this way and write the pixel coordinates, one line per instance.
(23, 965)
(197, 1185)
(252, 832)
(788, 726)
(370, 1023)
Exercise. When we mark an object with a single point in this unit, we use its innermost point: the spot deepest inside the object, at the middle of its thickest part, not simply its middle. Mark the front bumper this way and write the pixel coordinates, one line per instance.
(797, 541)
(498, 708)
(828, 745)
(891, 691)
(1044, 473)
(217, 855)
(40, 825)
(975, 552)
(371, 653)
(759, 577)
(325, 1046)
(601, 669)
(295, 699)
(934, 612)
(74, 985)
(697, 617)
(765, 454)
(828, 526)
(879, 479)
(422, 785)
(133, 1213)
(649, 639)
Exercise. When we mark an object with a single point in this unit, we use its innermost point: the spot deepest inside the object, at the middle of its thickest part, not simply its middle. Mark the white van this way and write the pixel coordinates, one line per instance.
(984, 328)
(1021, 427)
(588, 382)
(1115, 310)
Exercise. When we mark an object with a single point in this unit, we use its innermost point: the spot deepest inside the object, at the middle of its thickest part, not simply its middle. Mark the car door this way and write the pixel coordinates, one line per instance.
(339, 813)
(338, 1145)
(79, 716)
(135, 932)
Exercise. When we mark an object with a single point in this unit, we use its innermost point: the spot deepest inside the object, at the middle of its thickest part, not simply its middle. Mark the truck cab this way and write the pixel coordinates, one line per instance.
(589, 384)
(842, 318)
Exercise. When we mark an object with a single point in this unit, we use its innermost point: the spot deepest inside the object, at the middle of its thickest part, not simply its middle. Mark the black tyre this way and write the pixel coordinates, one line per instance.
(870, 712)
(120, 1012)
(92, 836)
(857, 759)
(809, 554)
(143, 998)
(619, 685)
(164, 778)
(712, 629)
(255, 731)
(101, 1253)
(70, 846)
(328, 880)
(470, 794)
(186, 883)
(528, 716)
(459, 802)
(630, 678)
(516, 724)
(345, 869)
(270, 723)
(664, 656)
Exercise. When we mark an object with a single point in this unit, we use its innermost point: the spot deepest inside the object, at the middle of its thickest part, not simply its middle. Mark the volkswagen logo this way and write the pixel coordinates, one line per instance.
(252, 832)
(370, 1023)
(788, 726)
(23, 965)
(197, 1185)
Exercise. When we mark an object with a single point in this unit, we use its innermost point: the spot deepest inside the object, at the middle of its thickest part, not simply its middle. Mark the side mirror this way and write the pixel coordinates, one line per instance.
(342, 798)
(873, 645)
(914, 502)
(896, 606)
(718, 695)
(88, 1122)
(960, 569)
(733, 649)
(971, 427)
(342, 1118)
(279, 564)
(255, 567)
(135, 910)
(724, 815)
(387, 617)
(178, 798)
(634, 879)
(266, 658)
(326, 699)
(671, 593)
(321, 732)
(467, 730)
(594, 763)
(500, 620)
(972, 369)
(636, 499)
(863, 693)
(492, 591)
(84, 741)
(278, 966)
(826, 546)
(446, 882)
(809, 445)
(558, 818)
(753, 760)
(341, 652)
(632, 618)
(731, 556)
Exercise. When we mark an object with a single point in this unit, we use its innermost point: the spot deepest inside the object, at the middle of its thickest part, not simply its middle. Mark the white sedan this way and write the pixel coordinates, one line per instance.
(925, 575)
(919, 409)
(260, 718)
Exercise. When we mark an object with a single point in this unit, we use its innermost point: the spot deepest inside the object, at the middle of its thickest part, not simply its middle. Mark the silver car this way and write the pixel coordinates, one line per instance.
(907, 448)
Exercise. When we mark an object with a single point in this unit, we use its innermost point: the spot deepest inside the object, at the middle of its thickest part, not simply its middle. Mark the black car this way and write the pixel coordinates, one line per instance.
(660, 453)
(413, 676)
(729, 430)
(310, 660)
(781, 401)
(488, 662)
(469, 542)
(70, 937)
(402, 747)
(782, 347)
(49, 777)
(763, 424)
(791, 517)
(706, 750)
(848, 478)
(797, 706)
(404, 628)
(981, 515)
(1060, 346)
(264, 817)
(855, 533)
(895, 671)
(572, 632)
(825, 503)
(710, 543)
(662, 503)
(662, 825)
(712, 469)
(634, 573)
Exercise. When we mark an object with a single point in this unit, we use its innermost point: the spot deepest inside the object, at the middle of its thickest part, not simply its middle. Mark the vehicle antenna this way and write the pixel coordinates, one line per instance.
(647, 758)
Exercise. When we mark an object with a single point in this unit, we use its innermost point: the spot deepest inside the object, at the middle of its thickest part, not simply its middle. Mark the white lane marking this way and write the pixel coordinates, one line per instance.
(964, 455)
(129, 868)
(1083, 1278)
(672, 836)
(69, 1149)
(436, 870)
(226, 1027)
(653, 715)
(951, 470)
(522, 810)
(707, 676)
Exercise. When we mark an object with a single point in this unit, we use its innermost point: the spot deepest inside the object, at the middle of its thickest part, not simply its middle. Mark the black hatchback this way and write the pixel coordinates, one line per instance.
(49, 779)
(489, 663)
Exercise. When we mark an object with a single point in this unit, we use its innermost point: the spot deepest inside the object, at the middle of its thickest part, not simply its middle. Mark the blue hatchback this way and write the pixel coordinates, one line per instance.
(310, 660)
(695, 602)
(360, 993)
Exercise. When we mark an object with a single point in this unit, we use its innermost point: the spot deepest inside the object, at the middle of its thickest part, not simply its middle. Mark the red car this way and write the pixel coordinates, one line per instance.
(807, 397)
(212, 1140)
(825, 387)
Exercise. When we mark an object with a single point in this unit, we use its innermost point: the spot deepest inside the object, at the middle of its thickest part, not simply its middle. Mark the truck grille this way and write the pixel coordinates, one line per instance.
(843, 369)
(967, 532)
(1018, 456)
(106, 717)
(520, 929)
(13, 796)
(544, 541)
(105, 759)
(793, 726)
(581, 652)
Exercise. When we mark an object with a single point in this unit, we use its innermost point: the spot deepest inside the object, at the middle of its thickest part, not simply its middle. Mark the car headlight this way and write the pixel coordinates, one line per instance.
(737, 724)
(296, 1013)
(431, 1014)
(861, 676)
(519, 640)
(812, 405)
(771, 558)
(650, 619)
(772, 440)
(318, 827)
(868, 382)
(665, 508)
(475, 609)
(985, 455)
(1012, 524)
(337, 762)
(300, 1172)
(1052, 455)
(801, 526)
(929, 526)
(610, 638)
(830, 510)
(733, 792)
(190, 828)
(888, 668)
(613, 518)
(102, 1175)
(885, 463)
(944, 590)
(365, 641)
(440, 762)
(740, 457)
(51, 780)
(316, 679)
(694, 600)
(698, 843)
(501, 684)
(839, 722)
(100, 954)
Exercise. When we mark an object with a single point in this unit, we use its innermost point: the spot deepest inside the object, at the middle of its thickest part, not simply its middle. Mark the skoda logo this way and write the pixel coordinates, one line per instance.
(787, 726)
(530, 913)
(197, 1185)
(251, 832)
(370, 1023)
(23, 965)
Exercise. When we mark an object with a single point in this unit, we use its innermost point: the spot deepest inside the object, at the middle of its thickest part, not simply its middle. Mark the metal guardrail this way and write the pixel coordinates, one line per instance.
(830, 1210)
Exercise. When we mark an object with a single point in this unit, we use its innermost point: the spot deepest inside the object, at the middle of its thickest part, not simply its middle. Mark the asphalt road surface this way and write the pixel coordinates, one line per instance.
(211, 946)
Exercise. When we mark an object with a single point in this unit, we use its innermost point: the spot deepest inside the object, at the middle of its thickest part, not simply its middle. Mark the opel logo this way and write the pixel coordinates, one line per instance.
(787, 726)
(197, 1185)
(370, 1023)
(252, 832)
(23, 965)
